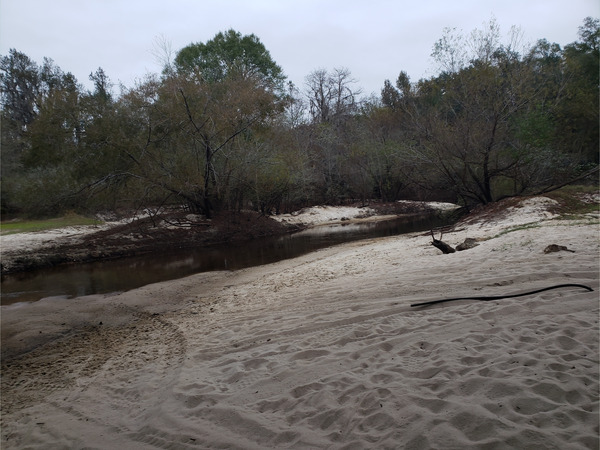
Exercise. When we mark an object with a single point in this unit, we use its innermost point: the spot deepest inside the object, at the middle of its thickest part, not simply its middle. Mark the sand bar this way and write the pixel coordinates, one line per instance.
(324, 351)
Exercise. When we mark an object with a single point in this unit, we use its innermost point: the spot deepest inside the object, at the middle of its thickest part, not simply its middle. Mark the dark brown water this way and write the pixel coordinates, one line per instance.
(130, 273)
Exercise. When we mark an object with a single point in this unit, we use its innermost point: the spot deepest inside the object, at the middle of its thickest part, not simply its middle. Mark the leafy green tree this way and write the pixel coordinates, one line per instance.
(40, 131)
(202, 120)
(390, 97)
(20, 83)
(58, 141)
(230, 54)
(53, 134)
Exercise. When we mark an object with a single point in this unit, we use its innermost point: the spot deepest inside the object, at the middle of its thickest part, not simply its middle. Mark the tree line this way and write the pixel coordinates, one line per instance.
(222, 129)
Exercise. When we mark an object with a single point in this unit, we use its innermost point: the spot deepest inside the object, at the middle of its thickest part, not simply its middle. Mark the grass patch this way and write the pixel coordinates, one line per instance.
(27, 226)
(574, 201)
(575, 221)
(526, 226)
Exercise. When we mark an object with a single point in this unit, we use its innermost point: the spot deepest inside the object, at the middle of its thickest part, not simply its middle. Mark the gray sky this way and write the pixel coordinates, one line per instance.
(375, 39)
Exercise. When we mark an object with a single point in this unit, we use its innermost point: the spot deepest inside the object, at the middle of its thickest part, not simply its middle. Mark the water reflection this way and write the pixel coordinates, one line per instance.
(130, 273)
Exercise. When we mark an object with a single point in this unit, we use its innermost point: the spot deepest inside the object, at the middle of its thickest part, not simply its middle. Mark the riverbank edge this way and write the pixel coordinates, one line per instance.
(25, 252)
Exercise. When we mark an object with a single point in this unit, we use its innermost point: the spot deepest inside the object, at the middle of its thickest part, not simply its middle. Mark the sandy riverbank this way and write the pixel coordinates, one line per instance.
(324, 351)
(151, 233)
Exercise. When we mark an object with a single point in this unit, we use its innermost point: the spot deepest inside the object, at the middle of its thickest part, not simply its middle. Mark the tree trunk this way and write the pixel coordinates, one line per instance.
(207, 175)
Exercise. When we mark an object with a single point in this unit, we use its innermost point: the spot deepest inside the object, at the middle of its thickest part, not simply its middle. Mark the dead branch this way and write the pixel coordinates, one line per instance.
(565, 183)
(439, 244)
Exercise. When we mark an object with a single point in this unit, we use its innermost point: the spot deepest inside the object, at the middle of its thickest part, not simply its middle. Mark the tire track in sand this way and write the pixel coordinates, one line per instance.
(130, 367)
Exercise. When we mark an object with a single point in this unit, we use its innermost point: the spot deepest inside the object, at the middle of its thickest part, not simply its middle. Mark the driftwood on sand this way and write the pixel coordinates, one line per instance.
(446, 248)
(552, 248)
(438, 243)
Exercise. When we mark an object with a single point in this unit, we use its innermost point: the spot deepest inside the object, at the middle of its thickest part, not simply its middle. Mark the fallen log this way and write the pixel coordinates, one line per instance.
(441, 245)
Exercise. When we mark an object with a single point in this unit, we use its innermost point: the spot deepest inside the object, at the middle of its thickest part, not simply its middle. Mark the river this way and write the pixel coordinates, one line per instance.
(130, 273)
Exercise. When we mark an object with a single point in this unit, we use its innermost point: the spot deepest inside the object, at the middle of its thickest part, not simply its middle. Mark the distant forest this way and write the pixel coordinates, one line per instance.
(222, 129)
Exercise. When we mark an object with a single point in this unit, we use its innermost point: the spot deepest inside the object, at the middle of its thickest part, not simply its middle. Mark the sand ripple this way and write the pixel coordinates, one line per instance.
(325, 352)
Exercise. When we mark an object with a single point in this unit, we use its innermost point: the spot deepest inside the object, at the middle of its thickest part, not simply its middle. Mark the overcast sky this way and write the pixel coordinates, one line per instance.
(375, 39)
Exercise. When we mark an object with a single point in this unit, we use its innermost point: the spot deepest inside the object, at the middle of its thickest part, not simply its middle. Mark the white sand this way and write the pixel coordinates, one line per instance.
(327, 215)
(324, 351)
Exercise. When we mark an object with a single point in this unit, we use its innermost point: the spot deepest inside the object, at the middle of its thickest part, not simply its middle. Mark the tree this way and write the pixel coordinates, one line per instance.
(333, 104)
(450, 51)
(390, 96)
(41, 132)
(577, 113)
(192, 130)
(466, 123)
(330, 95)
(53, 135)
(102, 86)
(230, 54)
(20, 83)
(196, 134)
(295, 109)
(162, 50)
